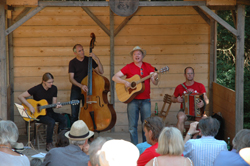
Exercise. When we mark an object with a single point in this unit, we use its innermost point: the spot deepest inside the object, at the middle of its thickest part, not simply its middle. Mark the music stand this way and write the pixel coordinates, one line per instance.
(24, 114)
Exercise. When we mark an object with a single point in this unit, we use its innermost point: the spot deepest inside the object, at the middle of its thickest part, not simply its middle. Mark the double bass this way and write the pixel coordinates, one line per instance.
(98, 114)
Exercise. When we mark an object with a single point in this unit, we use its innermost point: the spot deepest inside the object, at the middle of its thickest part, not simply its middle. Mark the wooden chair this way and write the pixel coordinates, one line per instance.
(164, 113)
(40, 133)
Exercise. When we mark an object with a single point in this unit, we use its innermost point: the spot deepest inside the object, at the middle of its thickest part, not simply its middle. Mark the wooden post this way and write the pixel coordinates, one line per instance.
(239, 85)
(213, 62)
(112, 54)
(3, 66)
(11, 73)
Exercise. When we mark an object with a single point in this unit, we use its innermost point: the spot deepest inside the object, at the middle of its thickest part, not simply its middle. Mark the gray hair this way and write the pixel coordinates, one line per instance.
(155, 124)
(209, 126)
(74, 48)
(94, 148)
(77, 143)
(35, 162)
(242, 139)
(8, 132)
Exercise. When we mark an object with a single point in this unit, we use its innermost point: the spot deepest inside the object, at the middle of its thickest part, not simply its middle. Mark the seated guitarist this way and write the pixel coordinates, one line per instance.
(46, 90)
(190, 86)
(141, 103)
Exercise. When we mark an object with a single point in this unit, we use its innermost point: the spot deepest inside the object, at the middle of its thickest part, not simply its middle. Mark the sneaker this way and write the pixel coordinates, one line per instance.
(49, 146)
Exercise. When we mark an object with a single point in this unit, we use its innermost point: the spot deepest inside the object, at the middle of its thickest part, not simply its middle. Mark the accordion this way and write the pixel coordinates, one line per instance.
(190, 104)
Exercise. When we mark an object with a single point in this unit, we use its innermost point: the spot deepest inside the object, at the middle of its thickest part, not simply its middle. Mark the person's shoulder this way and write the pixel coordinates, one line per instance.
(222, 142)
(72, 60)
(37, 86)
(180, 86)
(130, 64)
(146, 63)
(143, 144)
(57, 150)
(54, 87)
(198, 83)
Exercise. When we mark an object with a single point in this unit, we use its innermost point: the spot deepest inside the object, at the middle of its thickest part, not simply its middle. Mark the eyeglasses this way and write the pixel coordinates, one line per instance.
(190, 73)
(148, 124)
(141, 71)
(50, 82)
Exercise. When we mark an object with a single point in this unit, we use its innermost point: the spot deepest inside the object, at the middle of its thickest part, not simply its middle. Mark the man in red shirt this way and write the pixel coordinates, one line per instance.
(141, 103)
(152, 127)
(190, 86)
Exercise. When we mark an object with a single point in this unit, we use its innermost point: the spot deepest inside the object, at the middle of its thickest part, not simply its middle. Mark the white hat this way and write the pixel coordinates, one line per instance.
(79, 131)
(245, 154)
(136, 48)
(118, 152)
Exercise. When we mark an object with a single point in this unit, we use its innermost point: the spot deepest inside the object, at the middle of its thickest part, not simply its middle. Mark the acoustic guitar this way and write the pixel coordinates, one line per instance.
(41, 106)
(126, 95)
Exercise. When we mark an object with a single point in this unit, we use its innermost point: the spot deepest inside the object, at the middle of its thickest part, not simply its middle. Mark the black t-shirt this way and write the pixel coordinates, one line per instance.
(80, 69)
(39, 93)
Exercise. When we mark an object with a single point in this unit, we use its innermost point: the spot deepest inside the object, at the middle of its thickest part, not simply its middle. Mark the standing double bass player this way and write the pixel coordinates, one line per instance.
(78, 69)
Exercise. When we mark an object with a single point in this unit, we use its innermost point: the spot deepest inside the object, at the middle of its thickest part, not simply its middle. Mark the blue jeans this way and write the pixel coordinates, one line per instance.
(49, 119)
(133, 109)
(75, 95)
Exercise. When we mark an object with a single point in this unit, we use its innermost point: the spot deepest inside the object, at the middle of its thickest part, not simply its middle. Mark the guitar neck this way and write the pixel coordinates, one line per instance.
(145, 78)
(53, 105)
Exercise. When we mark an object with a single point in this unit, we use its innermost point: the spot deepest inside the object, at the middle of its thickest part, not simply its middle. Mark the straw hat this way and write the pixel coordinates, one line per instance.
(118, 152)
(79, 131)
(139, 49)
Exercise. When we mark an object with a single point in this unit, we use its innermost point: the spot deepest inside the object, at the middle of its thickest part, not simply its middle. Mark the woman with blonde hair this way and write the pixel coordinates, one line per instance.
(170, 147)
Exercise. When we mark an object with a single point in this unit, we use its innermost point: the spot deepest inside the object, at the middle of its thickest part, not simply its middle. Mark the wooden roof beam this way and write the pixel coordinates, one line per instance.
(22, 14)
(23, 20)
(219, 20)
(105, 3)
(73, 3)
(98, 22)
(171, 3)
(202, 14)
(243, 2)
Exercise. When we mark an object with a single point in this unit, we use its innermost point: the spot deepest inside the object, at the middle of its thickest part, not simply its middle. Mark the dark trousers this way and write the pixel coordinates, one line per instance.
(49, 119)
(75, 95)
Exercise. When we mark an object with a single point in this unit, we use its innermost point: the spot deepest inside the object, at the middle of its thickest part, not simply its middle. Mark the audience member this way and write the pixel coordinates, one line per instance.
(8, 137)
(118, 153)
(204, 151)
(232, 158)
(94, 148)
(76, 152)
(152, 127)
(62, 140)
(171, 146)
(35, 162)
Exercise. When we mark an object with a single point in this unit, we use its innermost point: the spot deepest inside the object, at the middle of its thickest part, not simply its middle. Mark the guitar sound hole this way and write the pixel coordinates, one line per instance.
(133, 84)
(37, 107)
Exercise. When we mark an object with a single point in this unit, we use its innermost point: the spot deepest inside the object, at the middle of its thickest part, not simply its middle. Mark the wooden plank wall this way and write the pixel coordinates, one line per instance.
(224, 102)
(173, 36)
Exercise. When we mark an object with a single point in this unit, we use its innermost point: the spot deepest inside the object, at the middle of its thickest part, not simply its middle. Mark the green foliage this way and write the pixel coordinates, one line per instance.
(226, 59)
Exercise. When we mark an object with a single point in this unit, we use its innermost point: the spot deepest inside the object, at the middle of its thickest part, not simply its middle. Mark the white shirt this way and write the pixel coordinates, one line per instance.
(204, 151)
